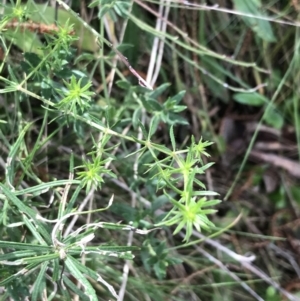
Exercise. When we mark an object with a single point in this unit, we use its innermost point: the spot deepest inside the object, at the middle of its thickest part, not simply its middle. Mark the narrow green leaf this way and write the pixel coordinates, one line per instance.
(155, 105)
(261, 27)
(142, 127)
(179, 96)
(123, 84)
(251, 99)
(159, 90)
(274, 119)
(172, 137)
(15, 147)
(56, 274)
(23, 208)
(44, 187)
(71, 264)
(25, 246)
(34, 230)
(18, 274)
(205, 193)
(153, 126)
(103, 10)
(39, 283)
(94, 3)
(16, 254)
(41, 258)
(137, 114)
(73, 288)
(122, 8)
(211, 203)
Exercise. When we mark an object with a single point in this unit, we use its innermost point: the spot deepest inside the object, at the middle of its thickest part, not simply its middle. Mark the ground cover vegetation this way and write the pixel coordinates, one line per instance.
(149, 150)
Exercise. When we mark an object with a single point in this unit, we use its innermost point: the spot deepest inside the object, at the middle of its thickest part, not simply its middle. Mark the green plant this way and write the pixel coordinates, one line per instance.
(50, 253)
(106, 113)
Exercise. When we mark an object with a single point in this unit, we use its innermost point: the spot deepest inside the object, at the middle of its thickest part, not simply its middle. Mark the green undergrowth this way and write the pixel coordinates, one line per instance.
(105, 177)
(54, 106)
